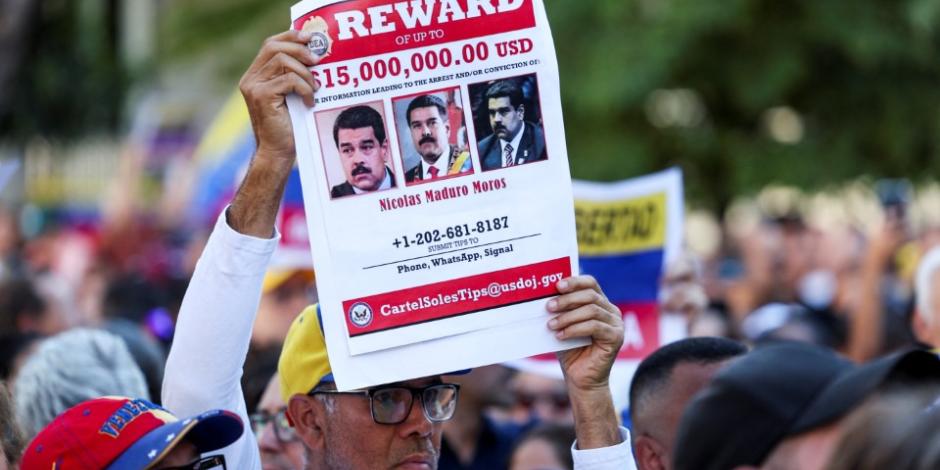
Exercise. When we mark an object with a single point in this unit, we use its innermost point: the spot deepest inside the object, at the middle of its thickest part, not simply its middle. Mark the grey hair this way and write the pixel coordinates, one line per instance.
(928, 267)
(70, 368)
(326, 398)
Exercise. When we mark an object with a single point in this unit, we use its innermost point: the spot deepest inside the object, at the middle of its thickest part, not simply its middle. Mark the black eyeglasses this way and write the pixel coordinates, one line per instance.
(391, 405)
(213, 462)
(283, 431)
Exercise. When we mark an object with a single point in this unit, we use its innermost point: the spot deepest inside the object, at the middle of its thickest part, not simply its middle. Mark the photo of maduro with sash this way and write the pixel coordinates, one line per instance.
(428, 119)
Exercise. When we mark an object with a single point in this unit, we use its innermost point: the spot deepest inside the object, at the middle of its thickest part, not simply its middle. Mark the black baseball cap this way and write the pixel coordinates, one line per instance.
(780, 390)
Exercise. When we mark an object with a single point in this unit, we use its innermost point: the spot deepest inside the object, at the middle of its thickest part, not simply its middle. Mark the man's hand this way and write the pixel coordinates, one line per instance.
(583, 311)
(280, 68)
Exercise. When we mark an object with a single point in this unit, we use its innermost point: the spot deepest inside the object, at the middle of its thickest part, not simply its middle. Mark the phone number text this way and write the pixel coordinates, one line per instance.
(451, 233)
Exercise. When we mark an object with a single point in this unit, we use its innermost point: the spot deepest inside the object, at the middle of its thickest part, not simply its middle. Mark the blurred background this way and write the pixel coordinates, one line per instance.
(808, 133)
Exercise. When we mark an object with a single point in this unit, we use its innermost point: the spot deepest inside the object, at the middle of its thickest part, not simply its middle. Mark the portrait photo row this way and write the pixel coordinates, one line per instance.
(431, 139)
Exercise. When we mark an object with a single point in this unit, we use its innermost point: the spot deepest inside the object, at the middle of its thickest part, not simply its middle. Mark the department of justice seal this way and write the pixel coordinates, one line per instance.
(320, 43)
(360, 314)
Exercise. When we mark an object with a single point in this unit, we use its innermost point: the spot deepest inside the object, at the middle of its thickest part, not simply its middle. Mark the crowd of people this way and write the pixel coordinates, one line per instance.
(807, 349)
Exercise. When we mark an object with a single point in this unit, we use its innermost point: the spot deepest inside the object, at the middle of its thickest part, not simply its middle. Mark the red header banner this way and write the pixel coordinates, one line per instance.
(360, 28)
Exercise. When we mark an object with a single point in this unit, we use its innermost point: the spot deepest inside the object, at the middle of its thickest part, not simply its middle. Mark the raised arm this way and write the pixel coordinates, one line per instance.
(204, 367)
(866, 323)
(279, 69)
(583, 311)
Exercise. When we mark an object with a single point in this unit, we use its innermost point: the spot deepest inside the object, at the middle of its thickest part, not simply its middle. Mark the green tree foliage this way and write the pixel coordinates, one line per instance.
(646, 84)
(226, 33)
(68, 80)
(863, 74)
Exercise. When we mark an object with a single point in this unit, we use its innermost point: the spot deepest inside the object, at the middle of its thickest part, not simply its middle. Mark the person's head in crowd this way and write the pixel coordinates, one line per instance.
(926, 321)
(681, 291)
(384, 426)
(359, 134)
(506, 107)
(132, 297)
(24, 309)
(896, 431)
(285, 292)
(260, 366)
(486, 386)
(541, 398)
(482, 390)
(147, 353)
(783, 406)
(130, 302)
(545, 447)
(280, 447)
(70, 368)
(793, 322)
(663, 384)
(430, 127)
(714, 321)
(118, 433)
(11, 440)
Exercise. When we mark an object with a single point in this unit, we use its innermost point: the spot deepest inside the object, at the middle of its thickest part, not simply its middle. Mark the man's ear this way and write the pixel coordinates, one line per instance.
(649, 454)
(521, 110)
(920, 327)
(309, 418)
(385, 151)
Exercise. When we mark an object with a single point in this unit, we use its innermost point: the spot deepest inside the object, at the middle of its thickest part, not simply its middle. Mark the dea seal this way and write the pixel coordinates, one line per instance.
(360, 314)
(320, 43)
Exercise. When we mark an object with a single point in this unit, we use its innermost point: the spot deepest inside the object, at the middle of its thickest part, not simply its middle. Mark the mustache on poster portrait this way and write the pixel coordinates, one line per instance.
(360, 169)
(427, 140)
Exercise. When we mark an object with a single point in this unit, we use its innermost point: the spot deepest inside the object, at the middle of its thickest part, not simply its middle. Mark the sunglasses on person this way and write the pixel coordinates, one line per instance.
(283, 431)
(392, 404)
(212, 462)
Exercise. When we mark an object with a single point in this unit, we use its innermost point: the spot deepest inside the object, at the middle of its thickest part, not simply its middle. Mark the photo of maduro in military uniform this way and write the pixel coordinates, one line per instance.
(437, 148)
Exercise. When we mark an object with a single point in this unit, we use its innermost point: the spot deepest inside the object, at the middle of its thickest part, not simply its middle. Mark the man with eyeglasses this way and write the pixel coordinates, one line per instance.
(279, 446)
(116, 433)
(392, 425)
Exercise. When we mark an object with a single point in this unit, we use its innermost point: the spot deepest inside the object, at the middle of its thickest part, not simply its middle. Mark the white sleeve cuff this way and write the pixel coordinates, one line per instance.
(619, 456)
(252, 253)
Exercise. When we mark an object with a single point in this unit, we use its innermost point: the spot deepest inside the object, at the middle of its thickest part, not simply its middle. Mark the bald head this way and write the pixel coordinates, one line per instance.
(663, 384)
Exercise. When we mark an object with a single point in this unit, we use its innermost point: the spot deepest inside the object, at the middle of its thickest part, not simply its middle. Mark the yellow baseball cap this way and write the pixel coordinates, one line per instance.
(273, 278)
(304, 363)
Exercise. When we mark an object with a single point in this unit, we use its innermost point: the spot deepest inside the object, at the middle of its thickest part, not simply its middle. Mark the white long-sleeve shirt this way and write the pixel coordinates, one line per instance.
(204, 368)
(213, 331)
(606, 458)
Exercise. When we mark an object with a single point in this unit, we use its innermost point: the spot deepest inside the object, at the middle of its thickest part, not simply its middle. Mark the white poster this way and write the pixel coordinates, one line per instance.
(436, 184)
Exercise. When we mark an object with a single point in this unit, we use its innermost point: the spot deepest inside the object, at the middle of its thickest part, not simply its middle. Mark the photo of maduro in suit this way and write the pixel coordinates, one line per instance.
(429, 119)
(514, 140)
(359, 134)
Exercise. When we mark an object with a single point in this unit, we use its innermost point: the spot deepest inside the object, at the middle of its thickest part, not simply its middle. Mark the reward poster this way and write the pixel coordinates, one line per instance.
(436, 184)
